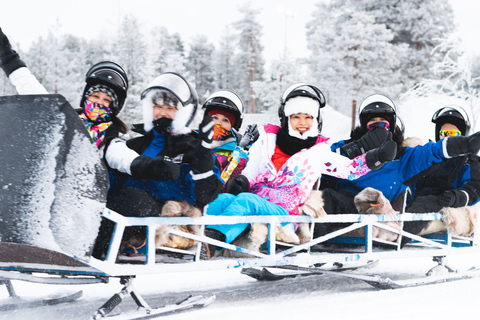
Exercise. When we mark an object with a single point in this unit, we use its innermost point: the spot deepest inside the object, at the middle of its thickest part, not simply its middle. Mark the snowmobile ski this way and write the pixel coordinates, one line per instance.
(387, 283)
(381, 282)
(191, 302)
(266, 275)
(16, 302)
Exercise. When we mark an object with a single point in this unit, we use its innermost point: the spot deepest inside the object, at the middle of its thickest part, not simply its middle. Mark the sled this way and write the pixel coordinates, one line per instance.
(33, 251)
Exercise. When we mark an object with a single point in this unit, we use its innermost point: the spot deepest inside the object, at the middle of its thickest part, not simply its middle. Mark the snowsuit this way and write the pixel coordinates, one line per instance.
(392, 179)
(196, 189)
(281, 192)
(460, 174)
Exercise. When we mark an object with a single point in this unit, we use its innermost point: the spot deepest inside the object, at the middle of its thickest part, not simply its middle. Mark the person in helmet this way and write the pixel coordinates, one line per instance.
(230, 149)
(284, 164)
(174, 163)
(448, 186)
(103, 97)
(391, 180)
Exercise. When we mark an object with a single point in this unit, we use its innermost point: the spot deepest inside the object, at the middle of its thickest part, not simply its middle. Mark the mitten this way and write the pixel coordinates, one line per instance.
(453, 198)
(371, 140)
(205, 132)
(250, 136)
(460, 145)
(237, 185)
(376, 158)
(158, 168)
(9, 59)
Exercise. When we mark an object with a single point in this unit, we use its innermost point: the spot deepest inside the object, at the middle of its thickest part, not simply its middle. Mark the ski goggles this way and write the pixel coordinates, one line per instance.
(376, 125)
(449, 133)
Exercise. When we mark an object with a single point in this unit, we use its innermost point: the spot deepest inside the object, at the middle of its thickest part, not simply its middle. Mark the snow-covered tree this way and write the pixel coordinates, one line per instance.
(199, 66)
(223, 61)
(248, 61)
(131, 53)
(418, 23)
(168, 52)
(453, 76)
(352, 55)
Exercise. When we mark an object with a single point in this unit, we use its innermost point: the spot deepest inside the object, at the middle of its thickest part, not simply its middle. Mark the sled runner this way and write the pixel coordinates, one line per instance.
(60, 184)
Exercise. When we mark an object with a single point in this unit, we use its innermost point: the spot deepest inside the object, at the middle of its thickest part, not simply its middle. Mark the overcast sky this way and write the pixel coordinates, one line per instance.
(25, 20)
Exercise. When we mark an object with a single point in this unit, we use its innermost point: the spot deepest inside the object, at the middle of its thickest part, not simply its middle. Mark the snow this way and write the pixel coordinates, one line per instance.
(317, 297)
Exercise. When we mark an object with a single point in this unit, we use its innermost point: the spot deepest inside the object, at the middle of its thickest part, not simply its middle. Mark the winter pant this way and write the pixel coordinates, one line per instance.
(244, 204)
(336, 202)
(129, 202)
(422, 204)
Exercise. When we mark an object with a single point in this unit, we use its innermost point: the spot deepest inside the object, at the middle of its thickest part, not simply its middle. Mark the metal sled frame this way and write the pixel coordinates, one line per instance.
(277, 254)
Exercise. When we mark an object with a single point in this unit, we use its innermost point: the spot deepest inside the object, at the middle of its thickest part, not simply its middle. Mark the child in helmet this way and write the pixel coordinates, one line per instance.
(285, 163)
(377, 112)
(450, 186)
(229, 148)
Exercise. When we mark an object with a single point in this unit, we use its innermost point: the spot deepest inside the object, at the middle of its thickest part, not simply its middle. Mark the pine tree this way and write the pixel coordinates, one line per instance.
(223, 61)
(352, 56)
(168, 52)
(199, 66)
(130, 52)
(248, 61)
(420, 25)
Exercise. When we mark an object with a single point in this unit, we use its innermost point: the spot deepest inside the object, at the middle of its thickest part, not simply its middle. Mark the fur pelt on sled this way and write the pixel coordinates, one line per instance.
(372, 201)
(177, 209)
(461, 221)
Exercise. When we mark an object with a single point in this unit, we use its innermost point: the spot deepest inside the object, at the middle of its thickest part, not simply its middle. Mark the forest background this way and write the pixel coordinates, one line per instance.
(403, 48)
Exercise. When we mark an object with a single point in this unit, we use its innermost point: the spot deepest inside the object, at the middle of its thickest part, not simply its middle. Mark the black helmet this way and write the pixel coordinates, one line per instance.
(377, 105)
(301, 90)
(451, 114)
(111, 75)
(228, 101)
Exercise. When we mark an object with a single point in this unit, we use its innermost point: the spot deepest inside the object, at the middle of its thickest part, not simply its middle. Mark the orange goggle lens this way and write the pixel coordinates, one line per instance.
(448, 133)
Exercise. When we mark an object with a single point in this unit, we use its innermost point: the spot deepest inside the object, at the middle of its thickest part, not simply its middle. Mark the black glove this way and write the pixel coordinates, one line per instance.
(460, 145)
(237, 185)
(205, 132)
(158, 168)
(370, 140)
(376, 158)
(9, 59)
(452, 198)
(250, 136)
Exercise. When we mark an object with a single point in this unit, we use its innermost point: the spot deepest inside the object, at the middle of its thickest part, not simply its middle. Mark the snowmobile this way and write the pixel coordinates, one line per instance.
(53, 187)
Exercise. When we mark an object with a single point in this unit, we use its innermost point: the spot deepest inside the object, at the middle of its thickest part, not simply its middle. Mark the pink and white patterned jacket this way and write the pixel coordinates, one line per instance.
(290, 186)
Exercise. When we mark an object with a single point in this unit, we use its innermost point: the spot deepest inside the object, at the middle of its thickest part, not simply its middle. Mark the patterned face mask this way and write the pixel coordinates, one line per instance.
(376, 125)
(97, 112)
(220, 133)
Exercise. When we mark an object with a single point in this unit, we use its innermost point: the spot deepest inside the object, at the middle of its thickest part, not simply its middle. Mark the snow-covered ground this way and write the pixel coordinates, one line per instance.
(316, 297)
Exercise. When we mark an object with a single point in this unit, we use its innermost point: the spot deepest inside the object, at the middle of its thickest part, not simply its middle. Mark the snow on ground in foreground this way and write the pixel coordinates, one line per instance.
(319, 297)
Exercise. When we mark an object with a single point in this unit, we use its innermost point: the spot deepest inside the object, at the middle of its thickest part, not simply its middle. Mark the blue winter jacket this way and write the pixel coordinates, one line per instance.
(391, 177)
